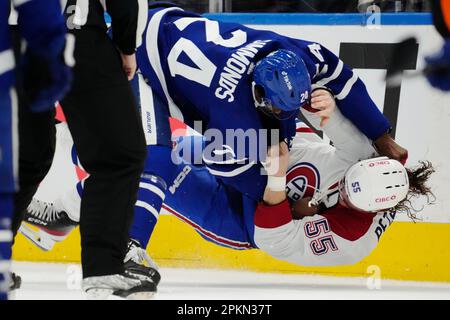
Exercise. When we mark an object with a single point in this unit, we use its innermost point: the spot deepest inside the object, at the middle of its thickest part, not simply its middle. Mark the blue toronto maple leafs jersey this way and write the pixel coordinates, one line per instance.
(6, 54)
(203, 70)
(40, 23)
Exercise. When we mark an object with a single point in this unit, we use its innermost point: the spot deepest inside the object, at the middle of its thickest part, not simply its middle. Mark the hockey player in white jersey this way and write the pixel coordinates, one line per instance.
(335, 208)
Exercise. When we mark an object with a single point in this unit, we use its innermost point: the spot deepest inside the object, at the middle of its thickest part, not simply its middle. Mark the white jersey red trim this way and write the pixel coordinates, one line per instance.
(338, 235)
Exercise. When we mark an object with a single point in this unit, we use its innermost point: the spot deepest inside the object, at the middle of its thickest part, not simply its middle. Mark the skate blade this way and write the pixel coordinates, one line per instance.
(38, 238)
(12, 294)
(98, 294)
(141, 296)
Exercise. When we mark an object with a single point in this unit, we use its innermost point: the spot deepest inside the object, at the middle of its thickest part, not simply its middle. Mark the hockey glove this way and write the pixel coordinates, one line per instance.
(439, 68)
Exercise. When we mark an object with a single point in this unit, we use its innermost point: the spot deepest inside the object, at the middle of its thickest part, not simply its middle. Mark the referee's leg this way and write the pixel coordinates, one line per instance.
(103, 119)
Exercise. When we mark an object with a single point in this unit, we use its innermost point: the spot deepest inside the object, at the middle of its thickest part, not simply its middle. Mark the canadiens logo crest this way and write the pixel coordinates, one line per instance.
(303, 180)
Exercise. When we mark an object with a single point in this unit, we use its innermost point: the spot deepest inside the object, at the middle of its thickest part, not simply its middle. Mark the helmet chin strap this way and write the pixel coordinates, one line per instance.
(266, 106)
(255, 100)
(318, 196)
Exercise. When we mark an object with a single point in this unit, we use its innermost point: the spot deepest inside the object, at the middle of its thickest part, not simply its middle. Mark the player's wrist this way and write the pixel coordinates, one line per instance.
(275, 192)
(276, 183)
(386, 135)
(272, 198)
(316, 88)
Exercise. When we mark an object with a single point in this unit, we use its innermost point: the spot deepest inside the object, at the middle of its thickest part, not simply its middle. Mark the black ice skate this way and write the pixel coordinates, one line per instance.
(45, 224)
(124, 285)
(15, 281)
(139, 263)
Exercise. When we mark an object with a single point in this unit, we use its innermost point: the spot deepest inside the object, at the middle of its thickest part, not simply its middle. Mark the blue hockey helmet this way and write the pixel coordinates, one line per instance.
(285, 80)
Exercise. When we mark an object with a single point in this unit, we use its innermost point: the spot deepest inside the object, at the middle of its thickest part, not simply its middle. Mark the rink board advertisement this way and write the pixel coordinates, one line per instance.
(421, 121)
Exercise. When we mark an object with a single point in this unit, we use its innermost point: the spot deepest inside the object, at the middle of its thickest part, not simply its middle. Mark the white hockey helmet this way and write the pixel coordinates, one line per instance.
(374, 185)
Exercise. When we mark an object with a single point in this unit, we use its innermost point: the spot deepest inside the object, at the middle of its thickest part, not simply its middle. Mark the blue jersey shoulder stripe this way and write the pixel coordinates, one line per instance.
(323, 18)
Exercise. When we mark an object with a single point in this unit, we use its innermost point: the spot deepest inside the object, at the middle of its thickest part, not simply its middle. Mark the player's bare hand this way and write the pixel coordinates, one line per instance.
(129, 65)
(324, 101)
(277, 160)
(386, 146)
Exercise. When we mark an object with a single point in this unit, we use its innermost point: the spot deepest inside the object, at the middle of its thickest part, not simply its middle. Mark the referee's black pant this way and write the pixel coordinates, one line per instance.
(103, 118)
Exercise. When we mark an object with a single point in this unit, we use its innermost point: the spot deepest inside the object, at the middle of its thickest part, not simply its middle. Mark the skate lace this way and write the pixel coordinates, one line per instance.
(139, 256)
(43, 210)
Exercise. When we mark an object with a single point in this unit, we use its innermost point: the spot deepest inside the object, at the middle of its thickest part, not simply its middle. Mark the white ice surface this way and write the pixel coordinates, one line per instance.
(61, 281)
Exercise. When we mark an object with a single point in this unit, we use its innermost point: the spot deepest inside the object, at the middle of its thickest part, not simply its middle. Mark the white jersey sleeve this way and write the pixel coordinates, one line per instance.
(350, 143)
(315, 166)
(340, 236)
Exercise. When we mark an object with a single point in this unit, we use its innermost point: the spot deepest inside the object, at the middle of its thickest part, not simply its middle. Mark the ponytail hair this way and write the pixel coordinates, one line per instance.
(418, 177)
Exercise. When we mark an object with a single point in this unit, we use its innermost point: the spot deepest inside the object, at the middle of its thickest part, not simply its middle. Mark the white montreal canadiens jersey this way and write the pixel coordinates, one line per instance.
(338, 235)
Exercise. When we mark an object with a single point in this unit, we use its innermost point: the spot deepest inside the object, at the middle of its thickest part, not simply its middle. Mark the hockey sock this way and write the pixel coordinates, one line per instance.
(6, 209)
(159, 172)
(146, 211)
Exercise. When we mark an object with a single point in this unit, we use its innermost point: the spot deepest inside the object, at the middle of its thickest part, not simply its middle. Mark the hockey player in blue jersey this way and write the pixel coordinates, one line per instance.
(42, 27)
(224, 75)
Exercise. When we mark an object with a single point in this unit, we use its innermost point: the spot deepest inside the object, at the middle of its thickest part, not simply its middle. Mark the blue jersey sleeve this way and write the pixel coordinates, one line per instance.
(250, 182)
(7, 62)
(350, 93)
(42, 25)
